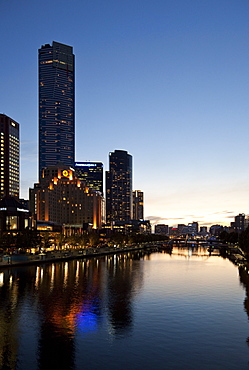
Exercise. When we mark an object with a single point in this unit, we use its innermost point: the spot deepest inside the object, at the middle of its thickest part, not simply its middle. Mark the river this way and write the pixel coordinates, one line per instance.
(184, 310)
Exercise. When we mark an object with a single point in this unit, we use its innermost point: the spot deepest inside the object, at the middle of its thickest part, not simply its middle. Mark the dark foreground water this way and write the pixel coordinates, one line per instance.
(136, 311)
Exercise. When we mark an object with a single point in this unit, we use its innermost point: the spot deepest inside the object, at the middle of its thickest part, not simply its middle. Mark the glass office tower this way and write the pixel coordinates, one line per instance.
(10, 161)
(91, 173)
(56, 105)
(119, 187)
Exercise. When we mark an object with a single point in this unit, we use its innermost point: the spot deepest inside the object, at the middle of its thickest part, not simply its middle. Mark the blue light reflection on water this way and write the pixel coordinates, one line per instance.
(133, 311)
(87, 321)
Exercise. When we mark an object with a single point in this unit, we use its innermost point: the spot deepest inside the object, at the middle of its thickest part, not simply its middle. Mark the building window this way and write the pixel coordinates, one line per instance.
(11, 222)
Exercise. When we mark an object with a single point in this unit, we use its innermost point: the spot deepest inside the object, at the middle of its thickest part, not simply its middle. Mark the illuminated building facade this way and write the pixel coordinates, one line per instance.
(91, 173)
(56, 105)
(9, 166)
(60, 197)
(138, 205)
(14, 217)
(119, 187)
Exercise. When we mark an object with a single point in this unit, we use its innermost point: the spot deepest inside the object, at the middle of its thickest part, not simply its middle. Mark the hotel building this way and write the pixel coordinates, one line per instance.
(62, 198)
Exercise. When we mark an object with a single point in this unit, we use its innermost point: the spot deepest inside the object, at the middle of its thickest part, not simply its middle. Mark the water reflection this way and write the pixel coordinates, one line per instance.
(122, 282)
(65, 300)
(65, 315)
(192, 251)
(244, 279)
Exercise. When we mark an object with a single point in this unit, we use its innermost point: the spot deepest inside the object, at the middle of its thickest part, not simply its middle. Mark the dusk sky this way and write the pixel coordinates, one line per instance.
(166, 80)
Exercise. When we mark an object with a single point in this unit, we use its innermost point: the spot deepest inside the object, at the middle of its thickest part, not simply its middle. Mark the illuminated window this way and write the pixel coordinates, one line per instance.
(11, 222)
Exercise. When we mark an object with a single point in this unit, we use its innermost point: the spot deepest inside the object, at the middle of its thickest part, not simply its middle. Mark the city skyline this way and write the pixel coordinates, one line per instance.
(168, 82)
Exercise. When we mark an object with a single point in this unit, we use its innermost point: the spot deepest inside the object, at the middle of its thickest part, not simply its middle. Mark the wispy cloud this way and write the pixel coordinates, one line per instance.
(158, 219)
(222, 212)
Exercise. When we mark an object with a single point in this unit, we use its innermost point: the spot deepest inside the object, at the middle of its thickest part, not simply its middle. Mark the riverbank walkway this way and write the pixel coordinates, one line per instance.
(68, 254)
(235, 254)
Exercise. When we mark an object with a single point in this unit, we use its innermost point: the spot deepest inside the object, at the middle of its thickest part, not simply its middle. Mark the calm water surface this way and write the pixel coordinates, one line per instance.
(187, 310)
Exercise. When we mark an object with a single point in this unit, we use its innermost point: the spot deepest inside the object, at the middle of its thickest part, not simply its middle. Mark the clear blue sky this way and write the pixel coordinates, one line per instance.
(166, 80)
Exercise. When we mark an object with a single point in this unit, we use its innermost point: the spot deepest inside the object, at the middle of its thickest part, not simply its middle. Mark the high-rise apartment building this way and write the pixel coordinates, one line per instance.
(119, 187)
(138, 205)
(56, 105)
(9, 165)
(91, 173)
(240, 223)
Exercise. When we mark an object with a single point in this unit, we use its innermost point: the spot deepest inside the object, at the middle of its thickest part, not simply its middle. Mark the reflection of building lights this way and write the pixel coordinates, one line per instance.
(52, 277)
(77, 271)
(87, 321)
(37, 276)
(66, 273)
(1, 279)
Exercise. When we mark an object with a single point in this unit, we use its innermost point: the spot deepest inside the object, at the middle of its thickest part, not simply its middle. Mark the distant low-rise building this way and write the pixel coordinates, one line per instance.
(193, 228)
(127, 227)
(203, 229)
(173, 231)
(161, 229)
(216, 230)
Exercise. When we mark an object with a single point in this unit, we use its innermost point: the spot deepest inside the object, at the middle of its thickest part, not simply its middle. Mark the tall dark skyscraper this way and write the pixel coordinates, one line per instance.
(138, 205)
(56, 105)
(119, 187)
(91, 173)
(10, 162)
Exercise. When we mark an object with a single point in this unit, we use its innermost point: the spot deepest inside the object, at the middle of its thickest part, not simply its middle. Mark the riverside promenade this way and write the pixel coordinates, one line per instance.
(235, 254)
(9, 260)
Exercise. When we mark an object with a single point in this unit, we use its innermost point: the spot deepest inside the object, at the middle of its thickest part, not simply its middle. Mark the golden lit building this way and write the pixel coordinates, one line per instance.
(62, 198)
